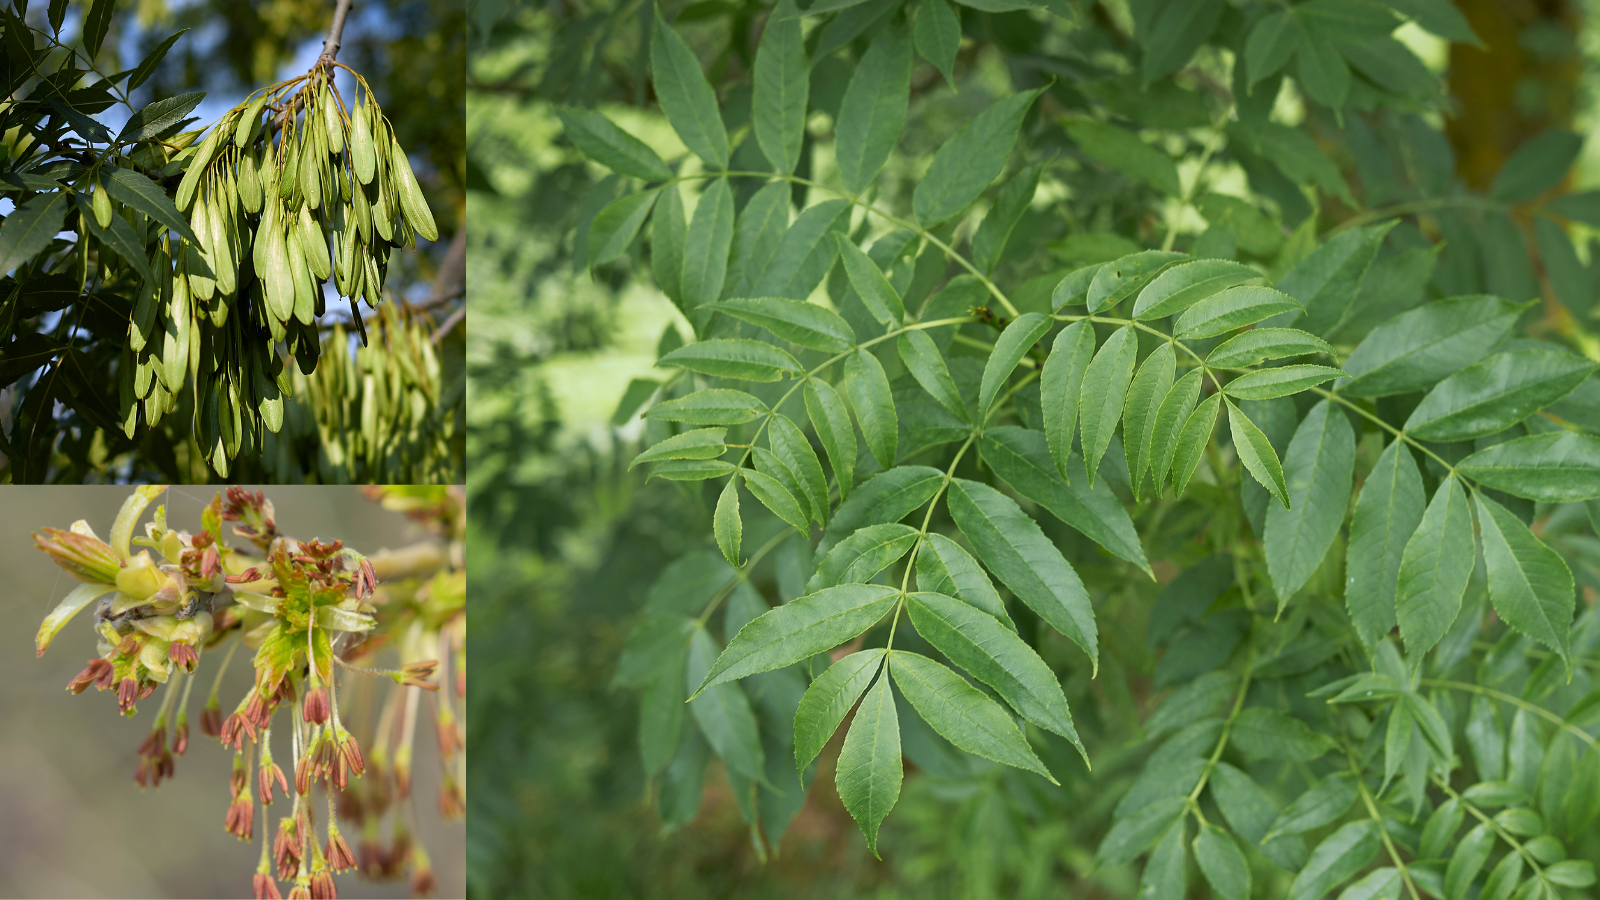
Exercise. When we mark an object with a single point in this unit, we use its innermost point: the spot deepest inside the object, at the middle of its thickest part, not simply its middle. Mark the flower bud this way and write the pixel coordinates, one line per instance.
(84, 556)
(183, 655)
(316, 705)
(265, 887)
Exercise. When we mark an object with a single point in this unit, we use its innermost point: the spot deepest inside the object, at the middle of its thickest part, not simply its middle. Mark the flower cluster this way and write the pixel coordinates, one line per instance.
(312, 614)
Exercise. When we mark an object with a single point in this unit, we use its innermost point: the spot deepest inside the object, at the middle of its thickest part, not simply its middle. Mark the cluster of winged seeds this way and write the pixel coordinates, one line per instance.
(290, 188)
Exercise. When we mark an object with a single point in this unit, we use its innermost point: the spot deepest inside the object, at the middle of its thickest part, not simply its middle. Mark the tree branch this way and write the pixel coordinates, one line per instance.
(330, 45)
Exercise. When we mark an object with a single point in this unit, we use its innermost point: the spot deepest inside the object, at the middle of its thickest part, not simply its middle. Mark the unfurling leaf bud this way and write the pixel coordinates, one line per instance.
(84, 556)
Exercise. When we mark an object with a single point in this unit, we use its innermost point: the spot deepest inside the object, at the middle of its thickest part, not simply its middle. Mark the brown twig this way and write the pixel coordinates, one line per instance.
(330, 50)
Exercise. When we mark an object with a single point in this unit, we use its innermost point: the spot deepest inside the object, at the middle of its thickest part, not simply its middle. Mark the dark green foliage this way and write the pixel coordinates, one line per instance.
(1040, 444)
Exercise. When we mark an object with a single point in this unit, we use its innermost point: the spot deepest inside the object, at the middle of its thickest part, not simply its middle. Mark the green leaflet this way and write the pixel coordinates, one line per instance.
(685, 95)
(886, 497)
(782, 81)
(1074, 288)
(1441, 829)
(725, 522)
(809, 325)
(1565, 272)
(792, 448)
(603, 141)
(1232, 309)
(1255, 451)
(1122, 150)
(926, 364)
(761, 227)
(859, 557)
(615, 226)
(828, 700)
(1223, 863)
(1132, 834)
(1191, 442)
(1328, 280)
(943, 567)
(705, 248)
(702, 443)
(139, 192)
(1169, 420)
(989, 242)
(1061, 385)
(1166, 874)
(1317, 470)
(739, 359)
(1321, 70)
(1388, 511)
(1178, 30)
(1024, 560)
(1182, 286)
(1264, 733)
(713, 406)
(1503, 878)
(1537, 166)
(1279, 381)
(1556, 467)
(1251, 348)
(799, 629)
(1468, 860)
(1325, 802)
(1529, 584)
(1494, 394)
(868, 389)
(1339, 856)
(692, 470)
(1009, 349)
(873, 111)
(1122, 278)
(1418, 348)
(993, 654)
(877, 294)
(769, 464)
(831, 420)
(938, 36)
(1272, 43)
(1145, 394)
(778, 497)
(869, 773)
(961, 714)
(1434, 570)
(805, 252)
(1105, 389)
(966, 163)
(723, 713)
(1379, 884)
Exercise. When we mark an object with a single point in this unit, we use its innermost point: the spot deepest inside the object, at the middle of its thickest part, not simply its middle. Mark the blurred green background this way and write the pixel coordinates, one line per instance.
(565, 543)
(74, 823)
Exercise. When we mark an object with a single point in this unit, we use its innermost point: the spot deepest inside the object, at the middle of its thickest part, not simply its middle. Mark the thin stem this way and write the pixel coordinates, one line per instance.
(1383, 831)
(1413, 206)
(226, 658)
(1193, 800)
(1514, 701)
(330, 44)
(922, 533)
(1504, 835)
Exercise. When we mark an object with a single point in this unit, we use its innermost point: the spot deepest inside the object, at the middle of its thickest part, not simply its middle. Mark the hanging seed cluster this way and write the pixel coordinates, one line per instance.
(379, 415)
(291, 188)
